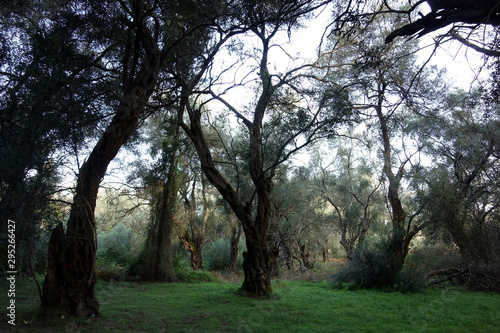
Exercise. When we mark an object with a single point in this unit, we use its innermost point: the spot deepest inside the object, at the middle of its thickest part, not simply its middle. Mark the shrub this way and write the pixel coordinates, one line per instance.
(409, 280)
(114, 245)
(367, 269)
(217, 255)
(136, 265)
(371, 269)
(433, 257)
(190, 276)
(108, 271)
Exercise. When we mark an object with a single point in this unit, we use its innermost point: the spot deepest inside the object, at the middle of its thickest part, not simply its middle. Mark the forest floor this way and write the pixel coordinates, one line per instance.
(307, 304)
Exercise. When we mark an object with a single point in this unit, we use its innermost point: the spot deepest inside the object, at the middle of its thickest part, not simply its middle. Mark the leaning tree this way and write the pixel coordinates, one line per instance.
(130, 42)
(47, 99)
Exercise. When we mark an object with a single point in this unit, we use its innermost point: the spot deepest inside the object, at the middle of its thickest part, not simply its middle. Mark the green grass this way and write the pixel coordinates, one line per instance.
(295, 306)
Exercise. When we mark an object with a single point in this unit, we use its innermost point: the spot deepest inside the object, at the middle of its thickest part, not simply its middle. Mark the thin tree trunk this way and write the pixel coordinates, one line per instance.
(401, 238)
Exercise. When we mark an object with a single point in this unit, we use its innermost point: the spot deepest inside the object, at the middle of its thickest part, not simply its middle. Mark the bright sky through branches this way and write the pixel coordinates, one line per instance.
(301, 47)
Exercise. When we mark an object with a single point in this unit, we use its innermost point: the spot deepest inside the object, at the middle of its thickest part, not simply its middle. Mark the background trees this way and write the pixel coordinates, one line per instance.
(462, 184)
(355, 197)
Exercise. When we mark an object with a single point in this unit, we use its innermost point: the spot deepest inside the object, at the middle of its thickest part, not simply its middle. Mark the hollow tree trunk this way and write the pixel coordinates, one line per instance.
(70, 279)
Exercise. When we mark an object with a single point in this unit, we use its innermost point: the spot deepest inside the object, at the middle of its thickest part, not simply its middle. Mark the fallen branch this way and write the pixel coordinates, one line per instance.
(450, 272)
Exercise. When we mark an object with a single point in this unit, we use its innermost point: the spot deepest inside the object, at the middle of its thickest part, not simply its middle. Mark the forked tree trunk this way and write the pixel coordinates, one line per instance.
(257, 265)
(194, 246)
(401, 234)
(70, 279)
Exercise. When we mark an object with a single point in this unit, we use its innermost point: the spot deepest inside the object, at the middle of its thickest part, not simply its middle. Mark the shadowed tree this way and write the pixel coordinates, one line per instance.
(133, 41)
(461, 15)
(266, 145)
(47, 101)
(162, 183)
(462, 188)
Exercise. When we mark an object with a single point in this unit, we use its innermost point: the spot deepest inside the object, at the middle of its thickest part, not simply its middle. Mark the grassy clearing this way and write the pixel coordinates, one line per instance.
(295, 306)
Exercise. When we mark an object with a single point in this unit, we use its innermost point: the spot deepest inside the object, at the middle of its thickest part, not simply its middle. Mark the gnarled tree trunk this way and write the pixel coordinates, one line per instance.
(193, 246)
(70, 279)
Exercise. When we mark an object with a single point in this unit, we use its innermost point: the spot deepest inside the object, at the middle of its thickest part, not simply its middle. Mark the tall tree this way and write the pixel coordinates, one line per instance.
(134, 40)
(47, 99)
(388, 85)
(162, 181)
(254, 212)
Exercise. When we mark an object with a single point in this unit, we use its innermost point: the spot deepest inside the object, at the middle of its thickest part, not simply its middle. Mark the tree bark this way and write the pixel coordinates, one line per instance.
(325, 252)
(193, 246)
(158, 249)
(401, 236)
(234, 241)
(70, 279)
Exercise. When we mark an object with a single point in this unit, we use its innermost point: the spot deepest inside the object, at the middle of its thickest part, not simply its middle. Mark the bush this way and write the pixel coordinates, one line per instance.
(367, 269)
(108, 271)
(136, 265)
(433, 257)
(217, 256)
(114, 245)
(187, 276)
(371, 269)
(409, 280)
